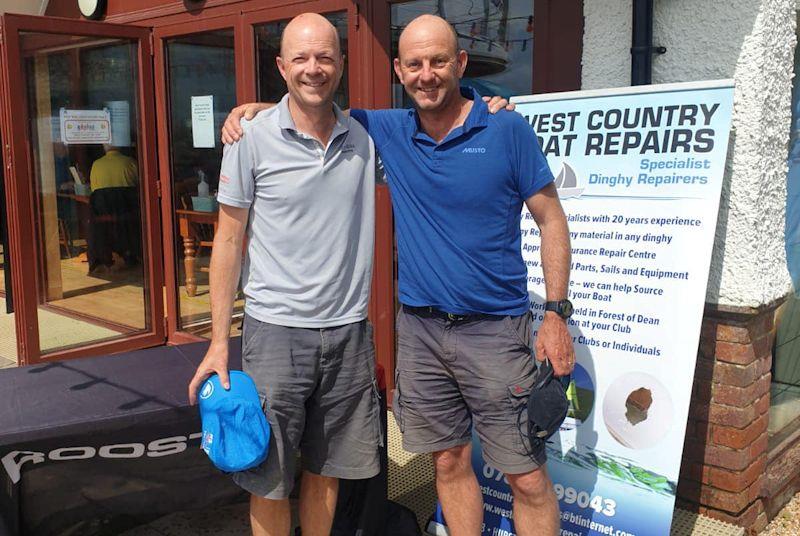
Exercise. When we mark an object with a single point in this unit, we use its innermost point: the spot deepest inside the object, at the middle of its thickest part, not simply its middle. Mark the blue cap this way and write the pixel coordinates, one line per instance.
(235, 429)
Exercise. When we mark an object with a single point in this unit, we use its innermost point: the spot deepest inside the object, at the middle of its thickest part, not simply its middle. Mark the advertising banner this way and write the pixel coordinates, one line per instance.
(639, 173)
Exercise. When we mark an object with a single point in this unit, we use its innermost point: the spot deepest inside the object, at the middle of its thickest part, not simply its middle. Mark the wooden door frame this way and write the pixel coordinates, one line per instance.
(160, 35)
(19, 190)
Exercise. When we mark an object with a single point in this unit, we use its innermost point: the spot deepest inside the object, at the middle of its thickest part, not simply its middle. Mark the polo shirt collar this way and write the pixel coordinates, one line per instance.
(286, 122)
(478, 117)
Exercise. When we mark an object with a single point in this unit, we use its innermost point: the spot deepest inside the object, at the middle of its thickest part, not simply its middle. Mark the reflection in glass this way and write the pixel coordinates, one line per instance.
(82, 108)
(498, 36)
(271, 86)
(784, 410)
(202, 89)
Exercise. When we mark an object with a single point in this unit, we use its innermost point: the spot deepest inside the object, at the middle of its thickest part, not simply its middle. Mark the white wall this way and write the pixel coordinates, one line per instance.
(751, 41)
(606, 44)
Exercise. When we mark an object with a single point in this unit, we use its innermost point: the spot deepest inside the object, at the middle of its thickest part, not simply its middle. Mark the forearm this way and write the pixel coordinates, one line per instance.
(556, 256)
(226, 261)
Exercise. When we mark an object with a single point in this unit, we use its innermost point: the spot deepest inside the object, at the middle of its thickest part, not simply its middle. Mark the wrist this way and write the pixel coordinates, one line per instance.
(552, 315)
(562, 308)
(219, 345)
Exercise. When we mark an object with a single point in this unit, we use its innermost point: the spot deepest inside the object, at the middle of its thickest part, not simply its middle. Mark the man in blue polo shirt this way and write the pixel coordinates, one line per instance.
(458, 178)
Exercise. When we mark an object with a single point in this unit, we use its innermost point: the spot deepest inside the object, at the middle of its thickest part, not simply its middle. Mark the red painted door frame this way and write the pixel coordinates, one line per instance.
(20, 195)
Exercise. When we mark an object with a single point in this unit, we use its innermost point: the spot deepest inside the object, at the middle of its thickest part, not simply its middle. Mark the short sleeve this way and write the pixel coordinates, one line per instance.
(236, 178)
(380, 124)
(531, 170)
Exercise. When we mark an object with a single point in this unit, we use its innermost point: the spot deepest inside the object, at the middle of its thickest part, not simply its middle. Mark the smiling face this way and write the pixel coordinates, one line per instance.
(429, 64)
(311, 61)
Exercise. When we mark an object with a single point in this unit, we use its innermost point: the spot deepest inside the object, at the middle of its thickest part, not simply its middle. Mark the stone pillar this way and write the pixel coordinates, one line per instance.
(725, 453)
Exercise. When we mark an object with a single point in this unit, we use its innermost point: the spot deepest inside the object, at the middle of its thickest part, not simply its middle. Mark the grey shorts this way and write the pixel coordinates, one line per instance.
(451, 375)
(321, 399)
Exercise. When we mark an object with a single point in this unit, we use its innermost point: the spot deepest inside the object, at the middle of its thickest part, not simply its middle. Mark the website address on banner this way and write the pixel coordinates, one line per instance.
(497, 510)
(586, 523)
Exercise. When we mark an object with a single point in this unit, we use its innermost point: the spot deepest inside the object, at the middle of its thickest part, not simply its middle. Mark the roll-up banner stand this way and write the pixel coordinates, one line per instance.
(639, 172)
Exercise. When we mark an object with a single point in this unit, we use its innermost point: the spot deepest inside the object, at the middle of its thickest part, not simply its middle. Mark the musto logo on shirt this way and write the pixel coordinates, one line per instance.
(474, 150)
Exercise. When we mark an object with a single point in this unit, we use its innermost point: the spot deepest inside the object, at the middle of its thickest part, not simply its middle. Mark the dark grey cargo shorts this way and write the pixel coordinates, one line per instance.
(321, 399)
(451, 375)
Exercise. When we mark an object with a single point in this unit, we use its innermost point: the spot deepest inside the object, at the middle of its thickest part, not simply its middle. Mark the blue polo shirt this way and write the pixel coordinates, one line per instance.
(457, 206)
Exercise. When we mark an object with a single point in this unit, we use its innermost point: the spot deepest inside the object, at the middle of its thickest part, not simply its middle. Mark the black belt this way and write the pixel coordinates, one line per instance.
(432, 312)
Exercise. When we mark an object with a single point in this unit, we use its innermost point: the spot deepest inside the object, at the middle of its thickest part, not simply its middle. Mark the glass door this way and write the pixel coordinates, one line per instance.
(270, 86)
(206, 68)
(262, 46)
(196, 66)
(79, 120)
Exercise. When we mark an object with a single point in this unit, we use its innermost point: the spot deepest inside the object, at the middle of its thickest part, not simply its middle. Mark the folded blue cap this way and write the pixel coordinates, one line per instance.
(235, 429)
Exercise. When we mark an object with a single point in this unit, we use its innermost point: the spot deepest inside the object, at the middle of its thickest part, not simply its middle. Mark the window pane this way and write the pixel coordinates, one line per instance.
(497, 35)
(784, 411)
(82, 98)
(202, 89)
(271, 86)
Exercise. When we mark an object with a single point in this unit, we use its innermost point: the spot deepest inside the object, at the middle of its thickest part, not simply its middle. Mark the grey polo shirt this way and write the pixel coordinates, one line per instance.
(312, 219)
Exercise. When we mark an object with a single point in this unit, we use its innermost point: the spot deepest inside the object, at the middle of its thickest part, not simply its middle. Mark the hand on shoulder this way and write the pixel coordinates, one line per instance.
(232, 128)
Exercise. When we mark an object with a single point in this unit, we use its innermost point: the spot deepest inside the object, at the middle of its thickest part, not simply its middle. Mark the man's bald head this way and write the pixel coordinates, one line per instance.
(309, 26)
(430, 65)
(427, 27)
(311, 62)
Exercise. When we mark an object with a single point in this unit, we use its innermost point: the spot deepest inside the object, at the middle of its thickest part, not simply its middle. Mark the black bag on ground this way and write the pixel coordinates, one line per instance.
(401, 521)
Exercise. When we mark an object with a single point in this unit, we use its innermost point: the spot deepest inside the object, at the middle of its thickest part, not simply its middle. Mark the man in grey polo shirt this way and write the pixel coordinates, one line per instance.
(300, 185)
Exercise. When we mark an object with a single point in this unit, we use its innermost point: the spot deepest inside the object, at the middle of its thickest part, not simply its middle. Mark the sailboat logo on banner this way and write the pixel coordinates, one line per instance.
(567, 182)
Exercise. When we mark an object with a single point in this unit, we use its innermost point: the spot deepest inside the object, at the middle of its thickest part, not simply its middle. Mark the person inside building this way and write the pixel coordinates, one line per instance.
(114, 234)
(464, 329)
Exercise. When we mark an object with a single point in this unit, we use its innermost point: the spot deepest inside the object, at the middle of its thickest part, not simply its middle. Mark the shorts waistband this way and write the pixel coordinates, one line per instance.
(432, 312)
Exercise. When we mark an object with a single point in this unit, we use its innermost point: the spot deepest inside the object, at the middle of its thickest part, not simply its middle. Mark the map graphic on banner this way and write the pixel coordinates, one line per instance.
(639, 173)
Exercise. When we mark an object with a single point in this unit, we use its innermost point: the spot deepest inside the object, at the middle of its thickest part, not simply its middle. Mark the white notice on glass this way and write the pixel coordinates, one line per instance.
(85, 126)
(203, 121)
(120, 112)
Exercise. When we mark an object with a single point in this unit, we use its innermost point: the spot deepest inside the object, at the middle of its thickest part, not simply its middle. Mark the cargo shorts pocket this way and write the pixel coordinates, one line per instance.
(264, 405)
(250, 331)
(397, 403)
(520, 329)
(518, 394)
(376, 420)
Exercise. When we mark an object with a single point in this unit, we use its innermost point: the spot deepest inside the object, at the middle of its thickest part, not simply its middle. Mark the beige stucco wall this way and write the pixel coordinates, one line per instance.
(751, 41)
